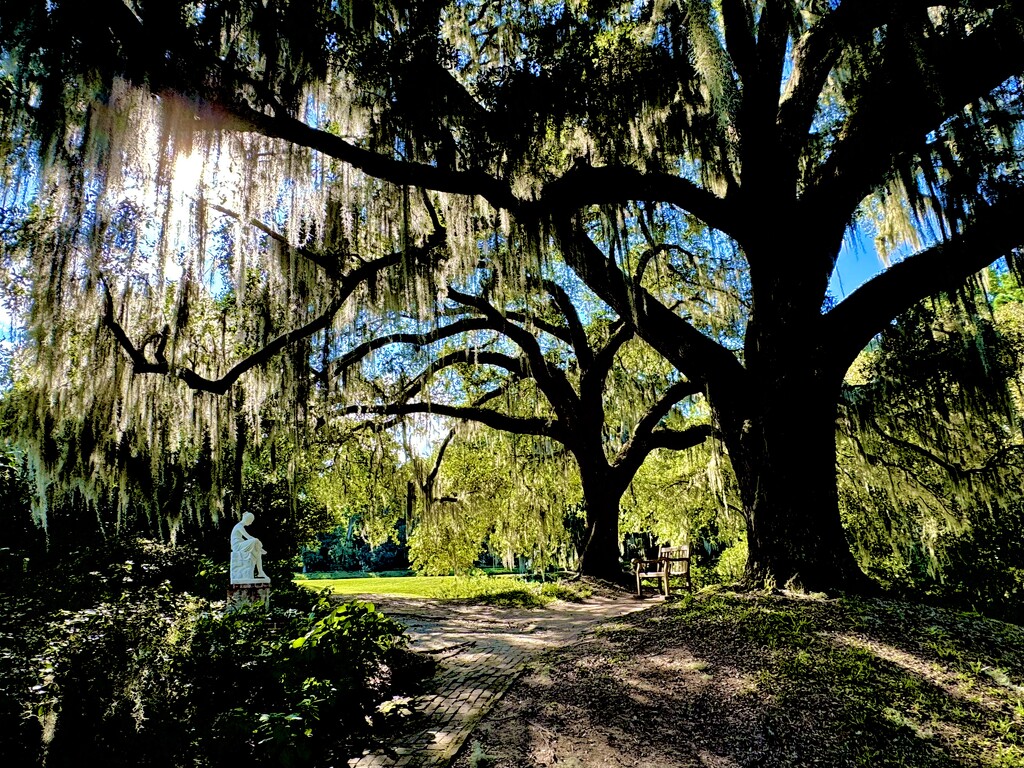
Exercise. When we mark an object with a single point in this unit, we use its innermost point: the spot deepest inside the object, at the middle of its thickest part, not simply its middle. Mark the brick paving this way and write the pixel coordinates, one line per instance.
(481, 650)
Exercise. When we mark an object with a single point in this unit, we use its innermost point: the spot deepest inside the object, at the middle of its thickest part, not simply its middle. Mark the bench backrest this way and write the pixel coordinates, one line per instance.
(678, 559)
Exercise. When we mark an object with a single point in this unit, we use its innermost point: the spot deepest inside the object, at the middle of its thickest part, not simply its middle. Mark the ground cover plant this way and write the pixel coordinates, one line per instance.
(134, 662)
(729, 679)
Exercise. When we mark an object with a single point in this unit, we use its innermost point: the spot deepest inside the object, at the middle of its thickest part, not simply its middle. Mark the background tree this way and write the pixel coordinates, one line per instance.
(177, 289)
(516, 498)
(531, 366)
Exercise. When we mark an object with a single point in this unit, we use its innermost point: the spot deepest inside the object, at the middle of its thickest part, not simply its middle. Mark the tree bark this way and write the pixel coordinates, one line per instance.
(783, 452)
(601, 557)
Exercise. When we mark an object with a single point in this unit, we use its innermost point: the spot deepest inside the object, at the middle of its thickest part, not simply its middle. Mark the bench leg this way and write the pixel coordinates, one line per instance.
(638, 593)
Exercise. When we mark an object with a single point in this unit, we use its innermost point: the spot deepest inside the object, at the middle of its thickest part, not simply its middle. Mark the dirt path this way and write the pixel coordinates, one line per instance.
(481, 650)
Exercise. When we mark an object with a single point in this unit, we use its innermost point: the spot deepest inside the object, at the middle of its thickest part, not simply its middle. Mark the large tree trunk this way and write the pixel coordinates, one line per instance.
(783, 451)
(601, 557)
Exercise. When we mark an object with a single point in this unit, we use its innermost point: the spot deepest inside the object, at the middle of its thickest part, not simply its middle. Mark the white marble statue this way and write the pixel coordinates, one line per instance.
(246, 554)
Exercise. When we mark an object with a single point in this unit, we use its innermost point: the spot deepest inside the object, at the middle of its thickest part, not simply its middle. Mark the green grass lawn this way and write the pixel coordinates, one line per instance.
(401, 586)
(504, 589)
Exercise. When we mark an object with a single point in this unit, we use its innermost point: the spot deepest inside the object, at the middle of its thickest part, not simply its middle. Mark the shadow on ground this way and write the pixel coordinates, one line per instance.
(768, 680)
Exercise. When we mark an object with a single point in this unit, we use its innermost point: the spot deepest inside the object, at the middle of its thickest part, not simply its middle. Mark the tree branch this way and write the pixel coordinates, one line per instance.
(674, 394)
(470, 356)
(680, 440)
(557, 331)
(584, 185)
(638, 449)
(417, 340)
(994, 231)
(895, 115)
(346, 286)
(137, 356)
(377, 165)
(816, 53)
(577, 334)
(594, 375)
(515, 424)
(647, 435)
(428, 484)
(738, 25)
(332, 269)
(698, 357)
(263, 355)
(550, 379)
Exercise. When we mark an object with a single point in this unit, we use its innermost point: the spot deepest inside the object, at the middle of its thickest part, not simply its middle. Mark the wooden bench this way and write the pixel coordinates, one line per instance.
(671, 562)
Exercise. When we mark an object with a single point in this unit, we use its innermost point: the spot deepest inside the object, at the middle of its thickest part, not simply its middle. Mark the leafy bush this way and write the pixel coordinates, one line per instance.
(732, 563)
(148, 674)
(320, 575)
(510, 592)
(517, 597)
(477, 586)
(385, 557)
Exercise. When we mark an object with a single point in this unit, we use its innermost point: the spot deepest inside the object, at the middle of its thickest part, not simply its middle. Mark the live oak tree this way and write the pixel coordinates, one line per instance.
(532, 366)
(770, 123)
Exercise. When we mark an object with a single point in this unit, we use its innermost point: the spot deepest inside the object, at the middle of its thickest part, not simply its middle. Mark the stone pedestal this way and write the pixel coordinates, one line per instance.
(248, 592)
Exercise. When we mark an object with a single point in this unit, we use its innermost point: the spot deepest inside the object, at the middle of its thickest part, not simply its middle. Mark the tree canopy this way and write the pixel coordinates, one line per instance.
(360, 154)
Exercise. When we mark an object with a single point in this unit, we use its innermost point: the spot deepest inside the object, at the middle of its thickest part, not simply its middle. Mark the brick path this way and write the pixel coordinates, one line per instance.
(481, 650)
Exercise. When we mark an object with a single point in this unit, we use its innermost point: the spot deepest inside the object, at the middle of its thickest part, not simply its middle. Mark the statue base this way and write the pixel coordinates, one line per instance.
(248, 593)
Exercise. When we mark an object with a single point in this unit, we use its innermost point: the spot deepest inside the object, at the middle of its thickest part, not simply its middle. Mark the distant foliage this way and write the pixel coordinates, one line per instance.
(687, 497)
(729, 568)
(340, 551)
(514, 498)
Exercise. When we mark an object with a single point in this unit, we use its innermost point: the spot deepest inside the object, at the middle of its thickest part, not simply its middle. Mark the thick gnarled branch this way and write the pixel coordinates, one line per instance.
(577, 335)
(469, 356)
(596, 374)
(647, 435)
(585, 185)
(345, 287)
(550, 379)
(416, 340)
(895, 116)
(994, 232)
(699, 358)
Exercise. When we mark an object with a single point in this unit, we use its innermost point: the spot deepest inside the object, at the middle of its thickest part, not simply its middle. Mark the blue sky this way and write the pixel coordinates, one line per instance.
(858, 262)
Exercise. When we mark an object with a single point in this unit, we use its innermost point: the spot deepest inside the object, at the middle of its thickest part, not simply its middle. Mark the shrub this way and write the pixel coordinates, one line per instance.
(151, 675)
(732, 563)
(336, 551)
(510, 592)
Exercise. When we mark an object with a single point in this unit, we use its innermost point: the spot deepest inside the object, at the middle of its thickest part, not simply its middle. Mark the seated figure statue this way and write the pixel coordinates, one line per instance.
(246, 553)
